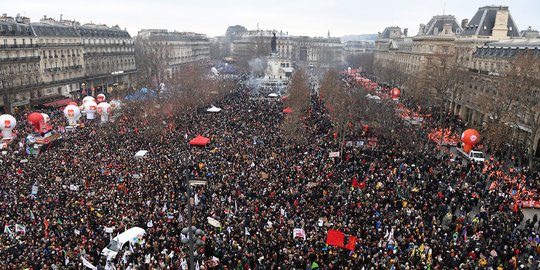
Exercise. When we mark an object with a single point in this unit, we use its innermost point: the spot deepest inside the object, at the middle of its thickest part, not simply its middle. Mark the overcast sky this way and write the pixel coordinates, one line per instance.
(297, 17)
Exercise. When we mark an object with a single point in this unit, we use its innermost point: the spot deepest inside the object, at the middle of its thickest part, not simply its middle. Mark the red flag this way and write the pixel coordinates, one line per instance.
(339, 239)
(363, 184)
(46, 223)
(516, 207)
(493, 185)
(355, 183)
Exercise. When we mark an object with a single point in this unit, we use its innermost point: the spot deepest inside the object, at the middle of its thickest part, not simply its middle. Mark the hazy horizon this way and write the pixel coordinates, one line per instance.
(297, 17)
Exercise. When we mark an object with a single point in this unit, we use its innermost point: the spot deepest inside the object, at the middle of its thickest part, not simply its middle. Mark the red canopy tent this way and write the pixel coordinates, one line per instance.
(288, 110)
(199, 141)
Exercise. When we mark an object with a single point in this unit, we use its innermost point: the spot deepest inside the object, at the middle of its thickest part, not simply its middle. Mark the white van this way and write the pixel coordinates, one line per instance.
(477, 156)
(473, 156)
(131, 235)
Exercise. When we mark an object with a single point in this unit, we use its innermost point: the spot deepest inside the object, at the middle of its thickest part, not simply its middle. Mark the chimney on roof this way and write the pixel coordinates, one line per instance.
(500, 29)
(464, 23)
(447, 29)
(405, 31)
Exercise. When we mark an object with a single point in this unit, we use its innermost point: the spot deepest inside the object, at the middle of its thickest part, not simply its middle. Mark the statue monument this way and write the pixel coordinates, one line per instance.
(273, 44)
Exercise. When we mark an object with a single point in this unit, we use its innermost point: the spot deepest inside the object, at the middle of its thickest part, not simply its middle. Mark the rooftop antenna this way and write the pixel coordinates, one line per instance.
(444, 8)
(257, 26)
(61, 17)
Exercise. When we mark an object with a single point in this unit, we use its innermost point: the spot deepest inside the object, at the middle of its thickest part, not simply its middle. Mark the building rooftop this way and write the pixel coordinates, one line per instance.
(483, 22)
(390, 32)
(92, 30)
(48, 30)
(164, 35)
(515, 43)
(12, 28)
(441, 25)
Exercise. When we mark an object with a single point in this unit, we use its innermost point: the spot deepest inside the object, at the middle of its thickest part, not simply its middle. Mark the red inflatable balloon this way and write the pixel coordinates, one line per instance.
(470, 136)
(38, 122)
(396, 93)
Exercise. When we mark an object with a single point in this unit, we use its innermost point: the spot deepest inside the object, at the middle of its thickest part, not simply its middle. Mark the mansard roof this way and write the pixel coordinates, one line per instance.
(48, 30)
(438, 22)
(483, 22)
(15, 29)
(93, 31)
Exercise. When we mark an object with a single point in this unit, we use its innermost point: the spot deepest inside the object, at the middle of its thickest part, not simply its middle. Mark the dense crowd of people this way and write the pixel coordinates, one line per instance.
(415, 210)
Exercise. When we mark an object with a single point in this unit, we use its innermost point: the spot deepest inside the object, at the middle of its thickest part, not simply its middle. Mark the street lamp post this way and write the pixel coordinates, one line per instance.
(190, 221)
(190, 229)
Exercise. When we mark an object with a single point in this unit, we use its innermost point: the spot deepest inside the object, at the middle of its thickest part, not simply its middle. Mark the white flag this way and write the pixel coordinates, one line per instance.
(246, 231)
(197, 266)
(213, 222)
(7, 230)
(150, 224)
(87, 263)
(196, 199)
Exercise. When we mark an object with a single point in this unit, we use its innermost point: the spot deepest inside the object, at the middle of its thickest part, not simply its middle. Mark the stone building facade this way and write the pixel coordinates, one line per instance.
(20, 67)
(54, 59)
(109, 57)
(400, 59)
(483, 48)
(182, 47)
(61, 59)
(302, 51)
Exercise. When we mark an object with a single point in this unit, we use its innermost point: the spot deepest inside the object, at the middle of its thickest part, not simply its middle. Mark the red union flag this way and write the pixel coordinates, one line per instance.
(7, 123)
(71, 113)
(339, 239)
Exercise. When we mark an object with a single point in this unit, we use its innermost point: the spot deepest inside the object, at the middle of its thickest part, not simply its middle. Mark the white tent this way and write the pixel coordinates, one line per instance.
(273, 95)
(214, 109)
(369, 96)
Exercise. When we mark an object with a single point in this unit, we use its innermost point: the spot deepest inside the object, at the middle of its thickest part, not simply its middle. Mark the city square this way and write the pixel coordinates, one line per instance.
(260, 149)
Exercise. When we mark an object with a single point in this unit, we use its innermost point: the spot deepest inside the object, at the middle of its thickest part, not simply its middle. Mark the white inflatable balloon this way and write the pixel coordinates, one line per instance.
(72, 113)
(104, 109)
(7, 124)
(90, 107)
(101, 98)
(87, 98)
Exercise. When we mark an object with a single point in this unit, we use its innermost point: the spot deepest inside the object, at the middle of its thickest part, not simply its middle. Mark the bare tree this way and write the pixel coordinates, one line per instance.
(191, 87)
(298, 100)
(363, 60)
(442, 83)
(523, 76)
(153, 59)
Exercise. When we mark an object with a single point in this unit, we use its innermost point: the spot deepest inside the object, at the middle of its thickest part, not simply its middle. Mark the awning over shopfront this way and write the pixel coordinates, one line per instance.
(58, 103)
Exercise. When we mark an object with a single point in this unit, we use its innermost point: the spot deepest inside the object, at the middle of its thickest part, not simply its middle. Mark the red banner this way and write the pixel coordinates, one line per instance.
(339, 239)
(530, 204)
